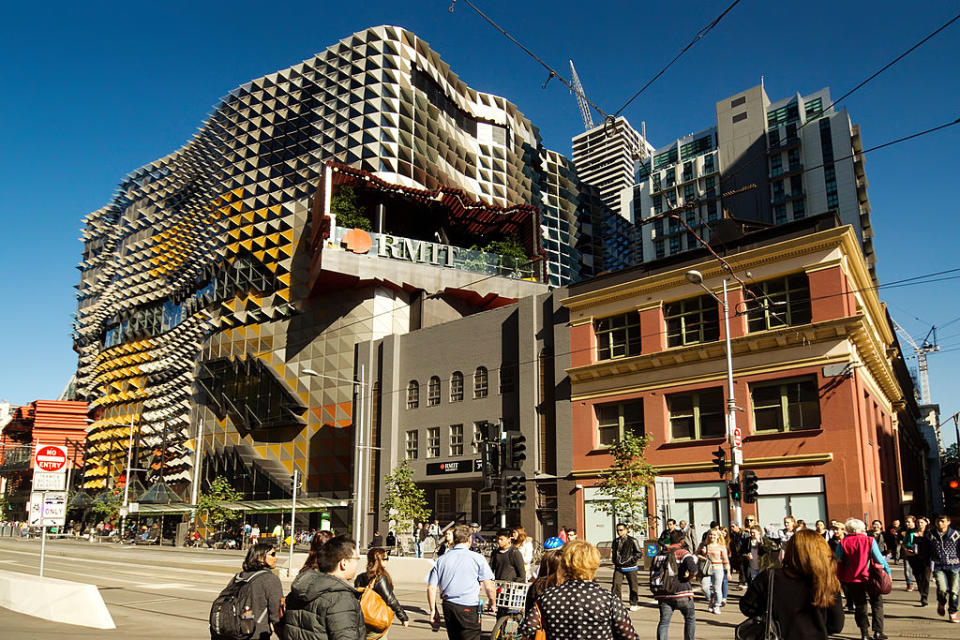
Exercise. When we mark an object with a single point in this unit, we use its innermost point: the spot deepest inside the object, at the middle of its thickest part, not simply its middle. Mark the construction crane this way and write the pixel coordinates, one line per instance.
(581, 100)
(927, 345)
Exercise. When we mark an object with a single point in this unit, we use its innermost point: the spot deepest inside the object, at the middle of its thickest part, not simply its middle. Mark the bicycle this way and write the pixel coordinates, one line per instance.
(511, 596)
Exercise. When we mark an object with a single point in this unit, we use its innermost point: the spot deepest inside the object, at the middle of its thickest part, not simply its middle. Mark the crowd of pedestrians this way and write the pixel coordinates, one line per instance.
(796, 578)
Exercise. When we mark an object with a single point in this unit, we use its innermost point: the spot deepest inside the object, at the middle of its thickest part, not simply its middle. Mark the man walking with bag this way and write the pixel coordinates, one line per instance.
(670, 583)
(625, 552)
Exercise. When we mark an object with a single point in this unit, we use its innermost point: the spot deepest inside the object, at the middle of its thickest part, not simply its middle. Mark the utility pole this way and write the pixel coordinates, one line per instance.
(293, 520)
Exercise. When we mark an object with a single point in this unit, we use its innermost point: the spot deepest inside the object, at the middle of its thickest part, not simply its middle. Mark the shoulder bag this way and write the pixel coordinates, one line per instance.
(376, 614)
(878, 580)
(761, 627)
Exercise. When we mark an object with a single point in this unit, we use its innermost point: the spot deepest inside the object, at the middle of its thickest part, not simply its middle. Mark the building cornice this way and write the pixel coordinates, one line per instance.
(748, 463)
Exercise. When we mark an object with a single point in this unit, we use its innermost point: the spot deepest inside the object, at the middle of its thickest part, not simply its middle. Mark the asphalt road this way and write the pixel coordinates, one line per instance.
(166, 593)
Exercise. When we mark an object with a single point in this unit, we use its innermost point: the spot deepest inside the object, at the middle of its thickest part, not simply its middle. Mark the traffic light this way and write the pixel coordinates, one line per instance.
(734, 490)
(516, 450)
(720, 461)
(515, 490)
(489, 462)
(750, 488)
(951, 490)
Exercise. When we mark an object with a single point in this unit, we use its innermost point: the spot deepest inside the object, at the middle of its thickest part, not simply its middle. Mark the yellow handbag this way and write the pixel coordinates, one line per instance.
(376, 614)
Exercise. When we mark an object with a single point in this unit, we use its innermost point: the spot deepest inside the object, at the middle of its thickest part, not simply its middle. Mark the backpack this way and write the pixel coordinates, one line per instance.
(232, 616)
(665, 574)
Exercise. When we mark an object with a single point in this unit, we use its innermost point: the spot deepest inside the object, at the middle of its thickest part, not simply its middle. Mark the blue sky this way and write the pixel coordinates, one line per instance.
(90, 93)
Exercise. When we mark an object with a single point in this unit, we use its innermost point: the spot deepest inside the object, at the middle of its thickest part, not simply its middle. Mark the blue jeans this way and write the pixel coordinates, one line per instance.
(684, 606)
(726, 584)
(908, 573)
(948, 588)
(716, 585)
(418, 548)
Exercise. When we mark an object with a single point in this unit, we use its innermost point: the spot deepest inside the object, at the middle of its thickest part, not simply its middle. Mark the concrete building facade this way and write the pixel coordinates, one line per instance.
(777, 161)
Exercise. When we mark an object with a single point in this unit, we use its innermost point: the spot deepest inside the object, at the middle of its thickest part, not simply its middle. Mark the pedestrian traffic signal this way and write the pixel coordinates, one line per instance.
(720, 461)
(951, 490)
(750, 487)
(516, 450)
(734, 490)
(515, 490)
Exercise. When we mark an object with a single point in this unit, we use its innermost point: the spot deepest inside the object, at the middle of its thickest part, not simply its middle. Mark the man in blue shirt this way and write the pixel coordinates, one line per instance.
(458, 575)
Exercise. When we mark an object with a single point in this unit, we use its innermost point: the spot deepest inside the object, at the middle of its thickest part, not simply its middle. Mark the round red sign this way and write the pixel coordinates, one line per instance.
(50, 458)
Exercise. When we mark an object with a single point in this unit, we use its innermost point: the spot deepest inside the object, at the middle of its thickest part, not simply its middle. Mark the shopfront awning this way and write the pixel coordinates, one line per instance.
(145, 509)
(278, 506)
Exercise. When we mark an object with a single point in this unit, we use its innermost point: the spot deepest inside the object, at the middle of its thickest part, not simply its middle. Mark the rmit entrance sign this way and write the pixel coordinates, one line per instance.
(388, 246)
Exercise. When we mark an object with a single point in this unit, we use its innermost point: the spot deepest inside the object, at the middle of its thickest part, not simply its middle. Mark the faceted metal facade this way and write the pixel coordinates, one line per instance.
(198, 266)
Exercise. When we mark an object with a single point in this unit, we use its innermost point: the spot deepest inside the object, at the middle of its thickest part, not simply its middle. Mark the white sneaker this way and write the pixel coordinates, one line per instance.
(634, 607)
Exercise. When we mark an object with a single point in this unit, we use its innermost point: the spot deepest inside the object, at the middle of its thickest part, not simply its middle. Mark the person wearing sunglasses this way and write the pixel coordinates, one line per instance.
(264, 590)
(322, 603)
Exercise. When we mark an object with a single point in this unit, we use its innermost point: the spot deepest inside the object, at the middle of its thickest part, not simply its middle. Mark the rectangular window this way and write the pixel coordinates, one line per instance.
(413, 445)
(618, 336)
(739, 101)
(688, 171)
(674, 244)
(798, 209)
(656, 182)
(456, 440)
(433, 442)
(708, 163)
(813, 108)
(780, 213)
(689, 193)
(657, 204)
(696, 416)
(793, 159)
(782, 302)
(796, 185)
(692, 321)
(614, 420)
(776, 165)
(773, 138)
(740, 117)
(658, 248)
(786, 405)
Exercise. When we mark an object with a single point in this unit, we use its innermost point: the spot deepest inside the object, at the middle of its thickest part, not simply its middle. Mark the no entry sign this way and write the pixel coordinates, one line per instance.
(50, 458)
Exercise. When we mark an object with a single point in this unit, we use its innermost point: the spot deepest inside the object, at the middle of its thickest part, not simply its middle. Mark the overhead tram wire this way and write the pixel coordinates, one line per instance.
(699, 36)
(860, 85)
(553, 72)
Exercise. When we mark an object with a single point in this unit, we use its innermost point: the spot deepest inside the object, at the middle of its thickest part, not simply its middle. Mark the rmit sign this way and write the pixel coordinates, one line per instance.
(388, 246)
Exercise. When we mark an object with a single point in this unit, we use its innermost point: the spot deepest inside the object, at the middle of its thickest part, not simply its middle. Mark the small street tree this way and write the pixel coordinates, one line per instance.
(345, 204)
(404, 501)
(106, 506)
(210, 503)
(625, 482)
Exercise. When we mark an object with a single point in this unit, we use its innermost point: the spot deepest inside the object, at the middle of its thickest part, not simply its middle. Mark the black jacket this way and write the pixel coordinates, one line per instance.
(508, 565)
(385, 591)
(625, 552)
(792, 607)
(266, 592)
(322, 607)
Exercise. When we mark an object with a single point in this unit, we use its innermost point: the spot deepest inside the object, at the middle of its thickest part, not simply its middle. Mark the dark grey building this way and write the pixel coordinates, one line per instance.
(433, 389)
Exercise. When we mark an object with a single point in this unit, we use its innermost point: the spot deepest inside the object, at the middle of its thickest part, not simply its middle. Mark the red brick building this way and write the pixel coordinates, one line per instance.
(816, 392)
(42, 422)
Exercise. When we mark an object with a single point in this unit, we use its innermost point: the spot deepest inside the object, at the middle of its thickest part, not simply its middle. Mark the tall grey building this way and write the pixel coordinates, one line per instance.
(785, 160)
(604, 158)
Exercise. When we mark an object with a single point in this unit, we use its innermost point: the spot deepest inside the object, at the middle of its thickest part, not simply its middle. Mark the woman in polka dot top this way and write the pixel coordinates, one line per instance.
(578, 607)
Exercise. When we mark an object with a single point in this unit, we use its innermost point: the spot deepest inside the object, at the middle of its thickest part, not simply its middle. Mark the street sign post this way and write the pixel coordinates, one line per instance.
(48, 500)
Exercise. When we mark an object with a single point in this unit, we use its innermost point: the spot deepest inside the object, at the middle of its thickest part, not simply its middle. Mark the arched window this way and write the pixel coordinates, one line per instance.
(433, 392)
(456, 387)
(413, 394)
(480, 386)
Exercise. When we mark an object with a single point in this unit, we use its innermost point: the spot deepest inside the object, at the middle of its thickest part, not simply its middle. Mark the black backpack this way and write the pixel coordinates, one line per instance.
(665, 574)
(232, 616)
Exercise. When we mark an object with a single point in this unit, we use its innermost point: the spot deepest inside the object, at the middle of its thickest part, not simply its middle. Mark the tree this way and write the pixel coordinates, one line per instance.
(404, 500)
(106, 506)
(949, 455)
(625, 482)
(210, 503)
(346, 206)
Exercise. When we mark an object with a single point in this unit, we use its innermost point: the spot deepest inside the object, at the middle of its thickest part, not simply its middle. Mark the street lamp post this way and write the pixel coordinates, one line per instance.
(736, 448)
(361, 449)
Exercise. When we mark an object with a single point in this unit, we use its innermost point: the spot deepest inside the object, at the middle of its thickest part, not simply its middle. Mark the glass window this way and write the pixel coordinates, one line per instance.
(480, 387)
(692, 321)
(696, 416)
(776, 165)
(413, 445)
(614, 420)
(618, 336)
(780, 213)
(433, 442)
(456, 387)
(787, 405)
(433, 392)
(780, 302)
(413, 394)
(456, 440)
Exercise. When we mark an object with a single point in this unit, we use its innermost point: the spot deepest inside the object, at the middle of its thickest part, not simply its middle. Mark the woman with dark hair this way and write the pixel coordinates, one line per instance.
(377, 578)
(548, 575)
(806, 603)
(266, 592)
(320, 539)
